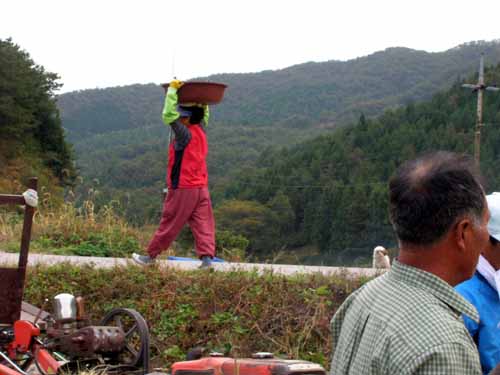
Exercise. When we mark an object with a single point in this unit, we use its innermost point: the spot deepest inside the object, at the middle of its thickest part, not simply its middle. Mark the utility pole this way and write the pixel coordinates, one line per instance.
(479, 87)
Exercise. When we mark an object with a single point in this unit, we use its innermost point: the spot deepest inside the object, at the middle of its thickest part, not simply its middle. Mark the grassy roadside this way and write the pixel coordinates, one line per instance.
(70, 228)
(234, 312)
(66, 229)
(237, 313)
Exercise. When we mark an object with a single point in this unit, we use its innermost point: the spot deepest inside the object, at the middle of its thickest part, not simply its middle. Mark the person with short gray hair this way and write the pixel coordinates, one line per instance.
(409, 320)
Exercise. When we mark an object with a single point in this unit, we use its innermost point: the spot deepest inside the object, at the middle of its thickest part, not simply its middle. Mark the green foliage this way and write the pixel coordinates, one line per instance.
(300, 96)
(238, 313)
(119, 138)
(174, 354)
(337, 184)
(29, 119)
(328, 193)
(230, 246)
(174, 322)
(70, 230)
(252, 220)
(109, 244)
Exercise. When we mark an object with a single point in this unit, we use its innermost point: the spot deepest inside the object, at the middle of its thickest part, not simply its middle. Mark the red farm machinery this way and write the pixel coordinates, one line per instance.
(64, 342)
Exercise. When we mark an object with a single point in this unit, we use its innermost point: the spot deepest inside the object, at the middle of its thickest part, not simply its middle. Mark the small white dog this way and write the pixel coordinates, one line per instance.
(381, 258)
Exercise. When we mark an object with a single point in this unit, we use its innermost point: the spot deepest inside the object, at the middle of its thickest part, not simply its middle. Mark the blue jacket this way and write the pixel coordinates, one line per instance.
(486, 334)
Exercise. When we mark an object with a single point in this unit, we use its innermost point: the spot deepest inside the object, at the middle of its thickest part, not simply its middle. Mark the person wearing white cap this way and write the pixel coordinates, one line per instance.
(483, 291)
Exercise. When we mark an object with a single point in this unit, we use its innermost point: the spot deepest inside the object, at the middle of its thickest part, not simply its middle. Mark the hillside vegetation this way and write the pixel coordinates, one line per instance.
(305, 95)
(238, 314)
(121, 143)
(32, 141)
(321, 201)
(334, 187)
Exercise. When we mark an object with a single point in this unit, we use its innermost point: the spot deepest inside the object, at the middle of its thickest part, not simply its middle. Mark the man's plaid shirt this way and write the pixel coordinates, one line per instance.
(406, 321)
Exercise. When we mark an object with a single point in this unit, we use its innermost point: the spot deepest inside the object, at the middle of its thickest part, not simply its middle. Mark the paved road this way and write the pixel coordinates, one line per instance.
(12, 259)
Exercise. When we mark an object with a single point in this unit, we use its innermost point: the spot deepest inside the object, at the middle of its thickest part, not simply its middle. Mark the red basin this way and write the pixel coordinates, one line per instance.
(200, 92)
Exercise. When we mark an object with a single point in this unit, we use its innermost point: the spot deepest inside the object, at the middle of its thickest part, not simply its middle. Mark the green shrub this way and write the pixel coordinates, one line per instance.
(111, 244)
(230, 246)
(233, 312)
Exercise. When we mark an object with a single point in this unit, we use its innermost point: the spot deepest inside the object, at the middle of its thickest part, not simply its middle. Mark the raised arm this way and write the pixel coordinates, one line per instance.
(171, 116)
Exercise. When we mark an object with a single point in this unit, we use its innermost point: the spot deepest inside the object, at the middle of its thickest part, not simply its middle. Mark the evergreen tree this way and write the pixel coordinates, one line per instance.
(29, 119)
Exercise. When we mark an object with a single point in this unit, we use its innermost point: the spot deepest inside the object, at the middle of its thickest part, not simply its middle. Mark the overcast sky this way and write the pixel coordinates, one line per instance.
(102, 43)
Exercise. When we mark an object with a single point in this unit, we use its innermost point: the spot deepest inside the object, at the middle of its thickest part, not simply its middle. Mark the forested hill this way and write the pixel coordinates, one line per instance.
(334, 92)
(120, 141)
(32, 140)
(319, 94)
(334, 188)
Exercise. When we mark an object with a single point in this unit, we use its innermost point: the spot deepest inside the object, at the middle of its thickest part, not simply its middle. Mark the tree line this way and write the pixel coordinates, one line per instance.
(333, 189)
(30, 123)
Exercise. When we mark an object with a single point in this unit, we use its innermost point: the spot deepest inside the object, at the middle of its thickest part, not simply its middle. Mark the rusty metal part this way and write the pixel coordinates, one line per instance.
(136, 350)
(12, 199)
(80, 308)
(88, 341)
(12, 279)
(10, 295)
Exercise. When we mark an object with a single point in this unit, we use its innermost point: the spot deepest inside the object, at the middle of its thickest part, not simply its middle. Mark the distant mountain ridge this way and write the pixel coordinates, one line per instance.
(316, 94)
(120, 140)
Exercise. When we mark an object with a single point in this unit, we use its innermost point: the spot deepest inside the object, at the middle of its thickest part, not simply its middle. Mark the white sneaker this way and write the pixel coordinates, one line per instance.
(143, 260)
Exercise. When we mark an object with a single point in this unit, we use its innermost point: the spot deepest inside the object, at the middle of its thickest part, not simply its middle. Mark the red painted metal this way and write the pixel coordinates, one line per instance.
(24, 332)
(11, 295)
(18, 337)
(200, 92)
(246, 366)
(4, 370)
(46, 361)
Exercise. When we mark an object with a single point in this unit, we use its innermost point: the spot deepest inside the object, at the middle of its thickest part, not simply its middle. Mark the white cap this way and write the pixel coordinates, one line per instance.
(494, 223)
